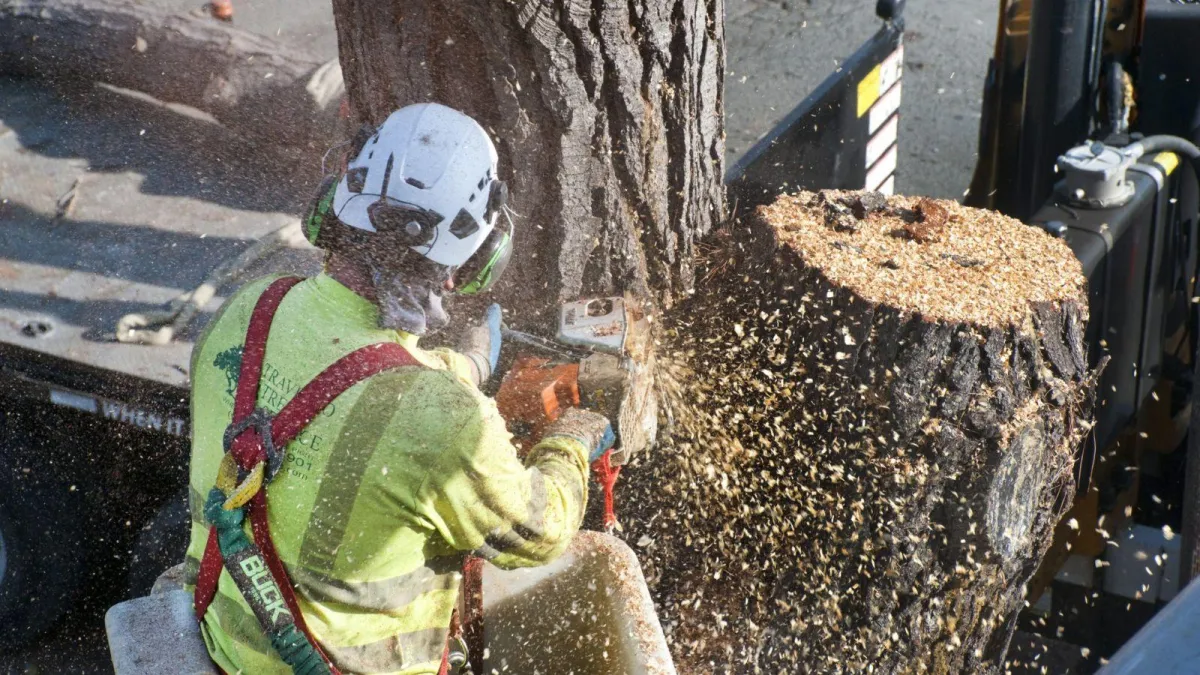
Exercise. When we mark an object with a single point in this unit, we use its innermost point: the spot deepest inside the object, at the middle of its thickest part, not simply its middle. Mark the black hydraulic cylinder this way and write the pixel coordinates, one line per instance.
(889, 10)
(1060, 81)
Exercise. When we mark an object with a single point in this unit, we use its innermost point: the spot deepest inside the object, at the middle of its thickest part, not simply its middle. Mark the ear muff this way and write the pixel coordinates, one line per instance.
(320, 211)
(483, 269)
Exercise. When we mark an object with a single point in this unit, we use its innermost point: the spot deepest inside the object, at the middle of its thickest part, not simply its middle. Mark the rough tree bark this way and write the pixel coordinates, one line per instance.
(258, 87)
(607, 115)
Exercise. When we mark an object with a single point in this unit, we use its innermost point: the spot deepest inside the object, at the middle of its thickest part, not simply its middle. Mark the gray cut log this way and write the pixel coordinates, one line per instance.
(861, 489)
(607, 115)
(253, 85)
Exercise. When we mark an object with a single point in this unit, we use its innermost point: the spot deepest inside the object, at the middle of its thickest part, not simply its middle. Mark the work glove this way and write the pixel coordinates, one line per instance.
(590, 428)
(481, 344)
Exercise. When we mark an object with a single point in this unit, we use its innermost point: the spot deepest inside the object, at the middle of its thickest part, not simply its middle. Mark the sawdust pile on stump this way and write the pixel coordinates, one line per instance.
(872, 405)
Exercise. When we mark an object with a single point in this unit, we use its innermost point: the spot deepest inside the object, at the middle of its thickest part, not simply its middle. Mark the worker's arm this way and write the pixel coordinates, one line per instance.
(462, 366)
(478, 352)
(482, 498)
(481, 345)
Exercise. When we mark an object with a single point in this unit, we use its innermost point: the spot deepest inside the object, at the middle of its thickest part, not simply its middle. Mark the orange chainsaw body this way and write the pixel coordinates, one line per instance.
(534, 393)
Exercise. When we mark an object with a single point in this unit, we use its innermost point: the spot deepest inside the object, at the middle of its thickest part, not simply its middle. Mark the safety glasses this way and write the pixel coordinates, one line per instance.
(483, 269)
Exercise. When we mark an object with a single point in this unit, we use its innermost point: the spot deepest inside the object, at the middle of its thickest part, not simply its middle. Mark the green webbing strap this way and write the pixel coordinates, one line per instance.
(245, 564)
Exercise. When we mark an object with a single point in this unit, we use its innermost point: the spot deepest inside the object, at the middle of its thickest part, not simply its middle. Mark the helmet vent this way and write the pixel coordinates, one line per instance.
(356, 179)
(415, 183)
(464, 225)
(387, 175)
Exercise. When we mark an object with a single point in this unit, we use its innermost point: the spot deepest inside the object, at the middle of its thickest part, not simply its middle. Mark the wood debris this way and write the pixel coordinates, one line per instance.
(930, 219)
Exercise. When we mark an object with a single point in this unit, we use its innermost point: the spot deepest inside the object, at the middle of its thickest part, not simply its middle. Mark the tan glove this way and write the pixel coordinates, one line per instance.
(590, 428)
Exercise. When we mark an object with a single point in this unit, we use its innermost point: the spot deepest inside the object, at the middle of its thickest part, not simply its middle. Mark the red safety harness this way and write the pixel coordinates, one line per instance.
(253, 437)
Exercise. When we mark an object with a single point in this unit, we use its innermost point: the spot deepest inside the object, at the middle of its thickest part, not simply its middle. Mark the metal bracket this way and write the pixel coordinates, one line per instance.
(260, 420)
(889, 10)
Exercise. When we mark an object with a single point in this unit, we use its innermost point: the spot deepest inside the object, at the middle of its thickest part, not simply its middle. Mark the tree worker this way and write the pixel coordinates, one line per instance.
(372, 500)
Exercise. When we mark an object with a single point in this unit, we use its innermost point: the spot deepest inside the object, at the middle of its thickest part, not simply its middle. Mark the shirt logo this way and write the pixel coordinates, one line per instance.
(230, 362)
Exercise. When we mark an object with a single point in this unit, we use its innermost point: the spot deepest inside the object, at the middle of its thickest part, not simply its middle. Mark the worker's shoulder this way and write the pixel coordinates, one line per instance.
(249, 292)
(428, 401)
(238, 307)
(230, 322)
(429, 387)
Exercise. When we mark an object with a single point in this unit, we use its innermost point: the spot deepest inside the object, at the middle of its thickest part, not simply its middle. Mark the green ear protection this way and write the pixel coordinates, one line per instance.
(321, 209)
(486, 265)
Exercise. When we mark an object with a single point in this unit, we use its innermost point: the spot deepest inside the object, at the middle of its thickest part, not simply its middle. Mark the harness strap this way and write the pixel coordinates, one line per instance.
(253, 351)
(249, 449)
(348, 371)
(472, 620)
(351, 369)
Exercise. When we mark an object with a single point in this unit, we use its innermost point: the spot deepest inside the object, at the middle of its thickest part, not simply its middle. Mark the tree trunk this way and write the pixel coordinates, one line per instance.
(607, 116)
(872, 441)
(258, 87)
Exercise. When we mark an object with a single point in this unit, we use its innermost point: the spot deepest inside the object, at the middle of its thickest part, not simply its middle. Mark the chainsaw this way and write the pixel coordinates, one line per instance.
(601, 359)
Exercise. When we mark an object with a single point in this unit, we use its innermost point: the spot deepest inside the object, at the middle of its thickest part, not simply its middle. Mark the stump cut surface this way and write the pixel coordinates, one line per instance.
(974, 266)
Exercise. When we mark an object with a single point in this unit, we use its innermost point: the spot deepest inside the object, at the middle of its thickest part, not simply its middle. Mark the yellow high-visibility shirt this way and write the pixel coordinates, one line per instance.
(380, 497)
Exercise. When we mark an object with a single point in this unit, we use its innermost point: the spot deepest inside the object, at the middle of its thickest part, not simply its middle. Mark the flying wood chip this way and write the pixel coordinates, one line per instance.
(931, 218)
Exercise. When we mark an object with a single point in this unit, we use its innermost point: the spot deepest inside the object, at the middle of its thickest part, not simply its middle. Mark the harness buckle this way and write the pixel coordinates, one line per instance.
(260, 420)
(457, 656)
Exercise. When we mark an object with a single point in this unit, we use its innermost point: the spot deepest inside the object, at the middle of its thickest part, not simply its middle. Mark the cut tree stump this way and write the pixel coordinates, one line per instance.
(875, 404)
(265, 90)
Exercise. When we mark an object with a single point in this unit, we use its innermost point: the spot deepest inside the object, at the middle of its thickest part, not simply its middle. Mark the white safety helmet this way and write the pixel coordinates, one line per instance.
(428, 177)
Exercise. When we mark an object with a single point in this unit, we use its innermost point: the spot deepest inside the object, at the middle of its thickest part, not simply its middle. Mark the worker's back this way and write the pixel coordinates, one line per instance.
(351, 511)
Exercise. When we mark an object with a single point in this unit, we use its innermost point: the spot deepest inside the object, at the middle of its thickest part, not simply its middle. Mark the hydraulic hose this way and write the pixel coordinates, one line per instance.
(1168, 143)
(159, 327)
